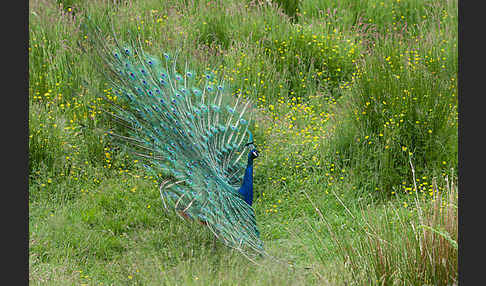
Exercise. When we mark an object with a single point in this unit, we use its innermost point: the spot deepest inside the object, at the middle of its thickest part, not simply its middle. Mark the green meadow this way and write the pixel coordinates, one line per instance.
(355, 117)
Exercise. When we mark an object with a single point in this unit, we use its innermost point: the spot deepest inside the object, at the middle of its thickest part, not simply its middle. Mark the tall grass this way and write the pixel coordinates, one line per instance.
(381, 16)
(393, 245)
(403, 103)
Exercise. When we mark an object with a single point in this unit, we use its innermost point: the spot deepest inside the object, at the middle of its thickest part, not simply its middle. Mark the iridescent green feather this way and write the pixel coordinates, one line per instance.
(190, 129)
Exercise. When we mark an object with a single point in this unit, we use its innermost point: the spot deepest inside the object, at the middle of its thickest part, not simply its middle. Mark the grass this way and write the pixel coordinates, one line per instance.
(396, 246)
(347, 94)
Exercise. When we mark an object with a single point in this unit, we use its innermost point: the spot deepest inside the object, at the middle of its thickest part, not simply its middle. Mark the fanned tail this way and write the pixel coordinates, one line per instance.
(188, 127)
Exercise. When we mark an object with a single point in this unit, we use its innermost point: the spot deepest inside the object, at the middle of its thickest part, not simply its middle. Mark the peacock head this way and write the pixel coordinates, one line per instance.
(253, 153)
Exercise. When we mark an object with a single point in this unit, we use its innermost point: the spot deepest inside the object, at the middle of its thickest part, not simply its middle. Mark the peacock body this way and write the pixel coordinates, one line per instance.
(194, 130)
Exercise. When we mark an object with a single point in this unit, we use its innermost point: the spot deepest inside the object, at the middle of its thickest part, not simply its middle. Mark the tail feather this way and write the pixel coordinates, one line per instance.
(189, 127)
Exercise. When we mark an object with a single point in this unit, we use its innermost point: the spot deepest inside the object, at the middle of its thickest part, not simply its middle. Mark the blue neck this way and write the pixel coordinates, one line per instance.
(246, 189)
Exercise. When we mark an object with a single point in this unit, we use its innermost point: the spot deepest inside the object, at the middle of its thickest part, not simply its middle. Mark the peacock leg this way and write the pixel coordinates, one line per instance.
(214, 243)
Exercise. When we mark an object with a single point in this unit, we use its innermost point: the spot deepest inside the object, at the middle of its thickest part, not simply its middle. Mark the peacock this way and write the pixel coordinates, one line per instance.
(192, 129)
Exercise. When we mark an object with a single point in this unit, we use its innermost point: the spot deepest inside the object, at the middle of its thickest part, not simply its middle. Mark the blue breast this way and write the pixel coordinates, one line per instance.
(246, 189)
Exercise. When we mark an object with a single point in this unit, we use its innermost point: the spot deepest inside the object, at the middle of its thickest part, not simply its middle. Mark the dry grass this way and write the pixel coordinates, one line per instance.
(438, 237)
(401, 245)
